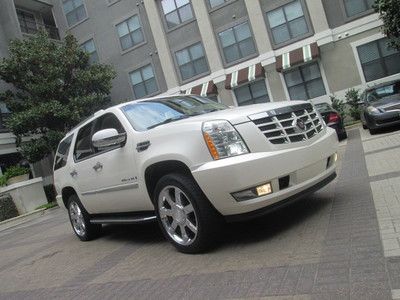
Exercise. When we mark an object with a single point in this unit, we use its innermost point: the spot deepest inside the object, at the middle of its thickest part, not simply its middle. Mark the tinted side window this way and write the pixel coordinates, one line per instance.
(106, 122)
(62, 153)
(83, 145)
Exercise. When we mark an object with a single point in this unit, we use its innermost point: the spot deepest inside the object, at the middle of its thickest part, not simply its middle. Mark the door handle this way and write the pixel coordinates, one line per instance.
(98, 166)
(74, 173)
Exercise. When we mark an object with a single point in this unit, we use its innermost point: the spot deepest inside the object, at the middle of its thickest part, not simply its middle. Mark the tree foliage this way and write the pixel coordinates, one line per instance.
(389, 11)
(55, 88)
(352, 99)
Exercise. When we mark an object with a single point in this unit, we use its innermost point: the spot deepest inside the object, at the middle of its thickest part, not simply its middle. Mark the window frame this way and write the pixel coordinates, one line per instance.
(381, 60)
(247, 84)
(125, 19)
(177, 66)
(303, 83)
(26, 12)
(92, 124)
(164, 18)
(221, 48)
(78, 22)
(145, 64)
(306, 16)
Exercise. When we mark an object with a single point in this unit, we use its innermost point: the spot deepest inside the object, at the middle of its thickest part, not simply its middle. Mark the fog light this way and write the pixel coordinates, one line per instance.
(335, 157)
(253, 192)
(264, 189)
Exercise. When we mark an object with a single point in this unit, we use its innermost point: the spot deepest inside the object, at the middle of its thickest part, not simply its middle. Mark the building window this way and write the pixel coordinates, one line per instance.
(356, 7)
(27, 22)
(130, 33)
(74, 11)
(287, 22)
(378, 59)
(215, 3)
(237, 42)
(191, 61)
(90, 48)
(177, 11)
(252, 93)
(305, 82)
(144, 82)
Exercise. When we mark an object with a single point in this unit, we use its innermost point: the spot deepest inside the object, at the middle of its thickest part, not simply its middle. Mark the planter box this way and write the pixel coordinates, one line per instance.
(26, 195)
(17, 179)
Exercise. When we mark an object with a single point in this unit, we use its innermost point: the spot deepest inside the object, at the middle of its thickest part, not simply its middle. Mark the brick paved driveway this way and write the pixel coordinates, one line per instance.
(327, 246)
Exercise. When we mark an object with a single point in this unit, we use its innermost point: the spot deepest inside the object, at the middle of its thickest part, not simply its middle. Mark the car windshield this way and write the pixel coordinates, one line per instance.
(152, 113)
(382, 92)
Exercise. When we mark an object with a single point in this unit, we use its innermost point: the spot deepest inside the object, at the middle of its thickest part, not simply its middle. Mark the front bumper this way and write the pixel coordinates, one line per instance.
(306, 166)
(386, 119)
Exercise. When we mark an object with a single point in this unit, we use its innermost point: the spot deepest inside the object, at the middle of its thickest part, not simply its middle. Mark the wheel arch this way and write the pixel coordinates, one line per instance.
(66, 193)
(154, 172)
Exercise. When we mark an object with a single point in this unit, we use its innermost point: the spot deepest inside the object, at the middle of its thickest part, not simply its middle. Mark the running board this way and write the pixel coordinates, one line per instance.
(123, 220)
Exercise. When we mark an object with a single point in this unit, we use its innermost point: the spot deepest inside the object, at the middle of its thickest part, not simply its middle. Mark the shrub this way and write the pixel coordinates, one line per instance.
(339, 105)
(352, 98)
(3, 180)
(15, 171)
(7, 208)
(50, 192)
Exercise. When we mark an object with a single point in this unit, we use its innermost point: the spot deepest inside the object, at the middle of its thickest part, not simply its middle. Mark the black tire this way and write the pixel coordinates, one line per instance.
(373, 131)
(342, 136)
(208, 220)
(364, 126)
(90, 231)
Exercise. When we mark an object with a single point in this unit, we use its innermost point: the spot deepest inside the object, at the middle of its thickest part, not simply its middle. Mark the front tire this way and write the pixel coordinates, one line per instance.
(80, 220)
(185, 216)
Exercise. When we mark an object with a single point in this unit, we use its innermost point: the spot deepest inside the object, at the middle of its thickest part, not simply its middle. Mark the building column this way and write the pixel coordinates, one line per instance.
(164, 54)
(207, 35)
(317, 15)
(257, 22)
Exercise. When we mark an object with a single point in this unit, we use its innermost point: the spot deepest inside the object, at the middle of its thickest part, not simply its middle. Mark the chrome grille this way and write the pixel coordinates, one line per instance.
(285, 125)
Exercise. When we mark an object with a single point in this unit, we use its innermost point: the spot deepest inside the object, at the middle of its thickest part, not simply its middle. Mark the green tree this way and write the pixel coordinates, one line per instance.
(352, 99)
(55, 87)
(389, 11)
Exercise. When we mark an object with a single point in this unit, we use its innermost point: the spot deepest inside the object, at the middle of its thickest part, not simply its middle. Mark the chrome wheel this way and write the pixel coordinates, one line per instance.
(177, 215)
(77, 218)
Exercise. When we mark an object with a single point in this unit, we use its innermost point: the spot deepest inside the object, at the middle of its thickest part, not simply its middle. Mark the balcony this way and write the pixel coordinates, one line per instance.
(32, 27)
(34, 15)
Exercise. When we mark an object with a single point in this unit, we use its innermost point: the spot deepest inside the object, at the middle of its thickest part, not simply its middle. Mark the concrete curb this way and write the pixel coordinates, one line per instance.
(9, 223)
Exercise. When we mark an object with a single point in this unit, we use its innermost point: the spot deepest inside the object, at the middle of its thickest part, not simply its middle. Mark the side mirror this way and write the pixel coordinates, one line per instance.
(107, 138)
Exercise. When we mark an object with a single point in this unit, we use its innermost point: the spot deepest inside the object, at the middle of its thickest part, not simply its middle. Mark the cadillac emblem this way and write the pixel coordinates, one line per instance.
(299, 124)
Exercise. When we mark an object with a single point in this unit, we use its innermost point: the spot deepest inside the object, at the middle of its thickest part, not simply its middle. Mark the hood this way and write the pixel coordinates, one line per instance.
(238, 115)
(386, 101)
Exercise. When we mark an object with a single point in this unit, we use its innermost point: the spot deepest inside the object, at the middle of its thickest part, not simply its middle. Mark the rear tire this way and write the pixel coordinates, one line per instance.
(364, 126)
(186, 217)
(342, 136)
(80, 220)
(373, 131)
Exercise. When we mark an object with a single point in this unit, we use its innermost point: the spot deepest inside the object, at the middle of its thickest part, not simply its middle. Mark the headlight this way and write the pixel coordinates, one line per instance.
(373, 110)
(223, 140)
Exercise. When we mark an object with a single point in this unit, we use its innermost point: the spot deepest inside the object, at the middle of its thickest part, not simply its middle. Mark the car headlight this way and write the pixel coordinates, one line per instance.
(223, 140)
(373, 110)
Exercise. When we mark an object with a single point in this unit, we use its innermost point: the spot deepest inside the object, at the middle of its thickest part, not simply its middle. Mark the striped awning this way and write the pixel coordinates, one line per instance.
(205, 89)
(298, 56)
(248, 74)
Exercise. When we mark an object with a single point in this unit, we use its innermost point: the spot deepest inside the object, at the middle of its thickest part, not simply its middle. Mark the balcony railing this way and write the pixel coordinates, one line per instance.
(3, 118)
(33, 27)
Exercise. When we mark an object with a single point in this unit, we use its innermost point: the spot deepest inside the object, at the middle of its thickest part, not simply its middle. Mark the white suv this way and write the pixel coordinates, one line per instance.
(191, 163)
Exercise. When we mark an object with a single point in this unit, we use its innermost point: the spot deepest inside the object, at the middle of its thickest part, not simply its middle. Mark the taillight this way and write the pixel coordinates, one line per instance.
(333, 118)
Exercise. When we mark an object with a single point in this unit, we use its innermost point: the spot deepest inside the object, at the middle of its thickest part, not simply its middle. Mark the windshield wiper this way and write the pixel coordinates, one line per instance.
(169, 120)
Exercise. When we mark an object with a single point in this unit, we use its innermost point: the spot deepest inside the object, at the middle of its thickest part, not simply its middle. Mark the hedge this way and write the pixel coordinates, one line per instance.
(7, 208)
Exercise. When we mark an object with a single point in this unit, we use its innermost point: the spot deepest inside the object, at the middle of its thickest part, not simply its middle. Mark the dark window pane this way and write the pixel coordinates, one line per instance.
(293, 10)
(255, 92)
(247, 47)
(83, 146)
(214, 3)
(151, 86)
(172, 19)
(126, 42)
(200, 66)
(242, 31)
(137, 37)
(374, 70)
(187, 71)
(243, 94)
(368, 52)
(276, 17)
(71, 18)
(186, 13)
(280, 34)
(182, 57)
(393, 64)
(227, 38)
(315, 88)
(259, 89)
(298, 27)
(231, 53)
(140, 90)
(354, 7)
(298, 93)
(293, 77)
(310, 72)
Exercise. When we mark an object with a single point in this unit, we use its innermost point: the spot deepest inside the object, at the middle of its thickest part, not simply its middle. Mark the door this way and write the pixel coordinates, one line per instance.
(106, 177)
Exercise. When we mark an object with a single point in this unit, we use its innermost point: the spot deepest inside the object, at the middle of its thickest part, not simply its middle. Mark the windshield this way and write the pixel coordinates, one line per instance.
(152, 113)
(382, 92)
